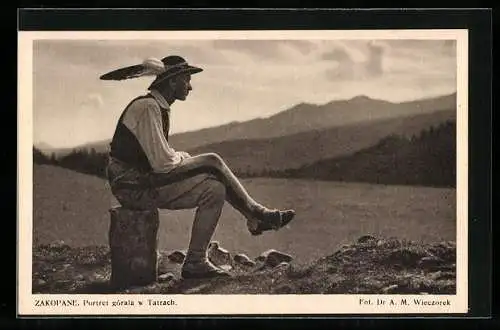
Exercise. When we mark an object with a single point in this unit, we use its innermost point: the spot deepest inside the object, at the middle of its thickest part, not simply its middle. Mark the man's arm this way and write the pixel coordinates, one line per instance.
(144, 120)
(183, 154)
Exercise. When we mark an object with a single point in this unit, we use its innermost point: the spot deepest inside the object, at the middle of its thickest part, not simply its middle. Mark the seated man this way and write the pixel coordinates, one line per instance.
(145, 172)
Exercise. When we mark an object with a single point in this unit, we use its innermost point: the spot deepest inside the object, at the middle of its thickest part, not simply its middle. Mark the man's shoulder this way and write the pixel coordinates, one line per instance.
(143, 105)
(144, 101)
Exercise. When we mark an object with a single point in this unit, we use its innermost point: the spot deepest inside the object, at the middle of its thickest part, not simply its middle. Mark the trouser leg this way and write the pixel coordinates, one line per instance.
(207, 215)
(202, 192)
(208, 197)
(236, 194)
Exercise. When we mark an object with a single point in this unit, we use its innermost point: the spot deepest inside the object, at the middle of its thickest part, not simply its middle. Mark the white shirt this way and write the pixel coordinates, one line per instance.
(144, 120)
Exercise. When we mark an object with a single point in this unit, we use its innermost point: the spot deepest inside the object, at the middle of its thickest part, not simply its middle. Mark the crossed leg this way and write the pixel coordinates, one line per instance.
(259, 218)
(203, 182)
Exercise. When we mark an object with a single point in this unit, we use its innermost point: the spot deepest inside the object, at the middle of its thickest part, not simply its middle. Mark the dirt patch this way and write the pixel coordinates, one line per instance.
(369, 266)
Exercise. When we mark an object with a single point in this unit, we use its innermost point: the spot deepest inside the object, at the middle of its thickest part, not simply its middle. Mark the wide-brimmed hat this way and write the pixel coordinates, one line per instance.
(165, 68)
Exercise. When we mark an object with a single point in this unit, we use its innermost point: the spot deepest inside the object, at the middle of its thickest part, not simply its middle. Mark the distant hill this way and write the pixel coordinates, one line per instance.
(300, 118)
(43, 147)
(39, 157)
(260, 157)
(428, 159)
(293, 151)
(99, 147)
(306, 117)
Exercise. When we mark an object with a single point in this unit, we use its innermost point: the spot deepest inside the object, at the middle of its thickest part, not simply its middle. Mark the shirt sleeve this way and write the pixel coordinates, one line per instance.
(143, 119)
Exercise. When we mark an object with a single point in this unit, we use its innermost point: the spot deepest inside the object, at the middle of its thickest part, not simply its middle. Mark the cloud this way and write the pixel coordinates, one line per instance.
(413, 62)
(342, 65)
(338, 54)
(111, 54)
(374, 65)
(354, 61)
(267, 49)
(304, 47)
(417, 49)
(422, 58)
(93, 101)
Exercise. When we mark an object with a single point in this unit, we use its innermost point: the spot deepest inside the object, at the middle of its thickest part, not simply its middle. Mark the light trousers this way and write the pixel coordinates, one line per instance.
(203, 182)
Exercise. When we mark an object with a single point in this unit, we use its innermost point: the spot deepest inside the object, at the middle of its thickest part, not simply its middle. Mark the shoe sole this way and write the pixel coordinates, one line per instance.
(284, 221)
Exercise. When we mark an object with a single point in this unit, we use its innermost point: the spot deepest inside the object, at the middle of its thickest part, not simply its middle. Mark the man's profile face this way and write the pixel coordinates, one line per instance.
(182, 86)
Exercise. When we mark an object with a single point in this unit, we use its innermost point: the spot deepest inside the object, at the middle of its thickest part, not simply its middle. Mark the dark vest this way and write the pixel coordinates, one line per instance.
(125, 146)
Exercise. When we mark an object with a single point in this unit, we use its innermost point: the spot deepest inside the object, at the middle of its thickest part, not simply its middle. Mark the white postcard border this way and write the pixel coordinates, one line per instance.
(232, 304)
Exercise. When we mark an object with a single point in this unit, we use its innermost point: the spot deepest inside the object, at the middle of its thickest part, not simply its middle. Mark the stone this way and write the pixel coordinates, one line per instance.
(97, 277)
(87, 259)
(435, 276)
(226, 267)
(407, 257)
(133, 245)
(177, 257)
(40, 282)
(390, 288)
(373, 283)
(166, 277)
(282, 266)
(243, 260)
(366, 238)
(280, 270)
(259, 265)
(272, 258)
(446, 275)
(430, 262)
(59, 246)
(79, 277)
(217, 255)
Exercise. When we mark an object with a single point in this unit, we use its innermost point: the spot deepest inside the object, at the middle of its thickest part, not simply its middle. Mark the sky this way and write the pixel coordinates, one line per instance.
(242, 79)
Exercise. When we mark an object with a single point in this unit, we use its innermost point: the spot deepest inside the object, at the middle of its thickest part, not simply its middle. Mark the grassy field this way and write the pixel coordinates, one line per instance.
(74, 207)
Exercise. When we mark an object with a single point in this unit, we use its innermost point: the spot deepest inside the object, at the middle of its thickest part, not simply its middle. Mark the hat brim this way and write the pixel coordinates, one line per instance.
(128, 72)
(189, 69)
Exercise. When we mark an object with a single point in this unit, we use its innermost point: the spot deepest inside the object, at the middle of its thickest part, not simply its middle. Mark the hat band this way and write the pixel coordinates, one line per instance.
(168, 74)
(169, 67)
(156, 67)
(171, 70)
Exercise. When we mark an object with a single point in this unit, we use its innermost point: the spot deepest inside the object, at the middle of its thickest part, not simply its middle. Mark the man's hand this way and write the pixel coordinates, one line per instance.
(183, 154)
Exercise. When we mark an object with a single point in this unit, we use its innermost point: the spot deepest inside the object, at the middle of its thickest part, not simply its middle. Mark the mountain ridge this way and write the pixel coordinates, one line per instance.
(428, 159)
(263, 157)
(296, 150)
(298, 118)
(306, 116)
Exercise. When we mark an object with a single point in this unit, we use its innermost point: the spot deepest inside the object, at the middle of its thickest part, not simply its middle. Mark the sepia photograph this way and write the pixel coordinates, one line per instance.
(284, 171)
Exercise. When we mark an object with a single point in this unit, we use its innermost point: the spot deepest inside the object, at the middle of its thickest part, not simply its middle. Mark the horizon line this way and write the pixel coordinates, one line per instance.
(240, 122)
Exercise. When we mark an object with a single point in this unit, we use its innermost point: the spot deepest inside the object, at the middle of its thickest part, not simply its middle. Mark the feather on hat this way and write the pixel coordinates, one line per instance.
(168, 67)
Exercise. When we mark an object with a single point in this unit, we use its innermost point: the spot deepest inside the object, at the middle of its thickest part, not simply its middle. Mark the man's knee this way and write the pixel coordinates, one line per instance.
(213, 159)
(214, 193)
